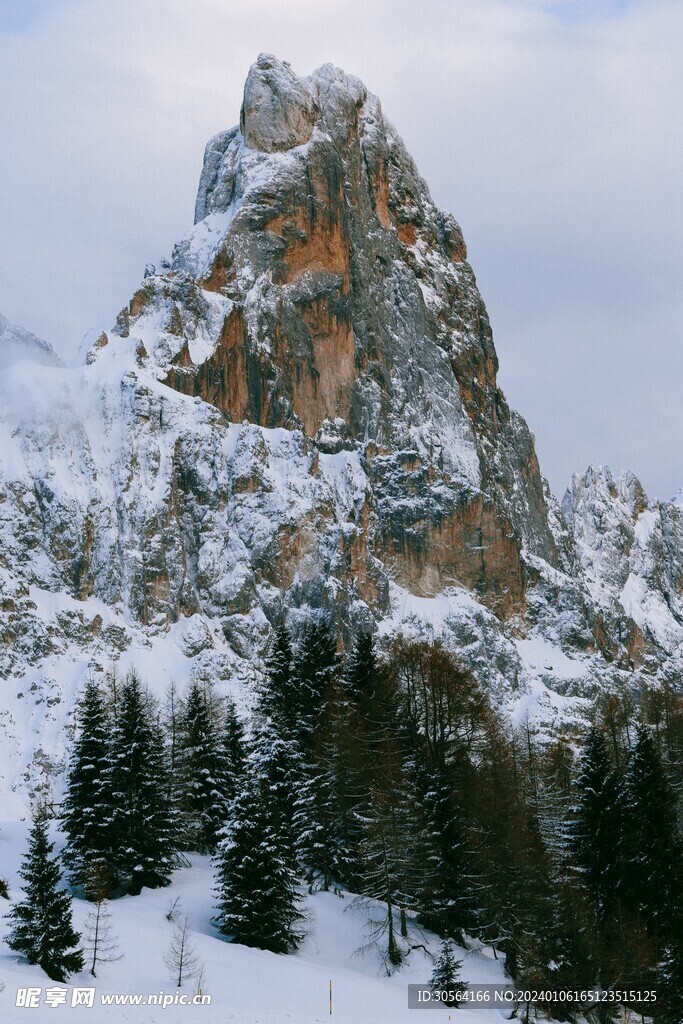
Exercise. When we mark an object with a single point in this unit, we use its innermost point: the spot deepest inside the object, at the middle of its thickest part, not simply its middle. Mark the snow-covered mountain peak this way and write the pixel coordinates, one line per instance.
(19, 345)
(301, 410)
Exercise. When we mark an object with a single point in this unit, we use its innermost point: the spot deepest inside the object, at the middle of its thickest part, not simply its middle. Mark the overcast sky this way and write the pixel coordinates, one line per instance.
(552, 130)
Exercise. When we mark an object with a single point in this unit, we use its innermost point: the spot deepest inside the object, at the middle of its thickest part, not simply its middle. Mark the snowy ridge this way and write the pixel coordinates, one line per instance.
(19, 345)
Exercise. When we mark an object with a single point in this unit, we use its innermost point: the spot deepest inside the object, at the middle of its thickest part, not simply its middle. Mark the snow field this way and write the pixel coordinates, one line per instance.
(247, 986)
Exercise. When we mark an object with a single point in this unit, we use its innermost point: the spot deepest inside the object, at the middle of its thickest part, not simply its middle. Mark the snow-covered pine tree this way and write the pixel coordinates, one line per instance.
(233, 751)
(654, 868)
(276, 761)
(171, 714)
(669, 976)
(315, 826)
(574, 931)
(315, 665)
(140, 827)
(330, 797)
(87, 798)
(258, 899)
(444, 898)
(446, 975)
(42, 927)
(256, 885)
(361, 670)
(598, 827)
(430, 886)
(202, 774)
(277, 696)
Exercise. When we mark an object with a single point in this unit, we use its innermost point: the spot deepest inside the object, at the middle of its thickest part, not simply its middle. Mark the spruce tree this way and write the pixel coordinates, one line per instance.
(278, 694)
(258, 900)
(669, 976)
(233, 751)
(172, 711)
(431, 888)
(598, 825)
(141, 831)
(87, 798)
(315, 666)
(42, 927)
(361, 670)
(256, 885)
(329, 798)
(275, 760)
(655, 858)
(317, 836)
(446, 975)
(202, 774)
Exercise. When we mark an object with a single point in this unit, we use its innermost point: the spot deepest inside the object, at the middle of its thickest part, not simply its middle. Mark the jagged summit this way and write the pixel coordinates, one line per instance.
(322, 290)
(19, 345)
(279, 109)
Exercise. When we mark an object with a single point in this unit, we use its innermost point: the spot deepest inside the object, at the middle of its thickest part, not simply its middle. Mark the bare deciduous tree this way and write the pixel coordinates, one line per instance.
(181, 958)
(100, 946)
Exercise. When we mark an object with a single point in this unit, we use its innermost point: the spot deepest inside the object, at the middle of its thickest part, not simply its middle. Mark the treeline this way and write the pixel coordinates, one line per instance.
(394, 778)
(398, 780)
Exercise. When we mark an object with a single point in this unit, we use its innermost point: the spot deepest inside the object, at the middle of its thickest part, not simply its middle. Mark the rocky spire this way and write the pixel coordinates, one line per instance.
(278, 111)
(322, 289)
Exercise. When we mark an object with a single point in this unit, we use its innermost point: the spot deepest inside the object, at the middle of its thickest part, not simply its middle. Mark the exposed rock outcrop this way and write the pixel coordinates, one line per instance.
(345, 297)
(300, 409)
(278, 111)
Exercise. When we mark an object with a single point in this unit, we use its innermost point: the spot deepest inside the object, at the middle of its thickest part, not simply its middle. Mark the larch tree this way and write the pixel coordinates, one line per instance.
(99, 943)
(181, 957)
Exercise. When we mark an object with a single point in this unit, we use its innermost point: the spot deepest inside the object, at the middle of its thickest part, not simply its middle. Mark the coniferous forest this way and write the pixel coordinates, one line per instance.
(390, 778)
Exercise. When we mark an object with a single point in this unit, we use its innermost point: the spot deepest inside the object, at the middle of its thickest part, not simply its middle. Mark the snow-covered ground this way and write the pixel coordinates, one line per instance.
(247, 986)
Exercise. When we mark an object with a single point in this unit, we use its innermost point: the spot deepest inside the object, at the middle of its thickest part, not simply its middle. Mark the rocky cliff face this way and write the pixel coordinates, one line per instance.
(333, 297)
(300, 409)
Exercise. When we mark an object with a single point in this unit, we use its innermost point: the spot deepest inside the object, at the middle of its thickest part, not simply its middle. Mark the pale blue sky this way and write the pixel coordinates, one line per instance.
(550, 129)
(18, 16)
(584, 10)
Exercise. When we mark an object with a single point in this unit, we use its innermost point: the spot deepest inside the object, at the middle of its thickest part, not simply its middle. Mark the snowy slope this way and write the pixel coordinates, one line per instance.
(247, 986)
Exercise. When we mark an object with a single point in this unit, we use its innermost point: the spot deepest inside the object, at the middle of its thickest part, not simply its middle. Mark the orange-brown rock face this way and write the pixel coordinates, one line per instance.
(325, 291)
(466, 549)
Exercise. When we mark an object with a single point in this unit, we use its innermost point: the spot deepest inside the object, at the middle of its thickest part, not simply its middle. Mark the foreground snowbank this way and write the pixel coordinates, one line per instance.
(247, 986)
